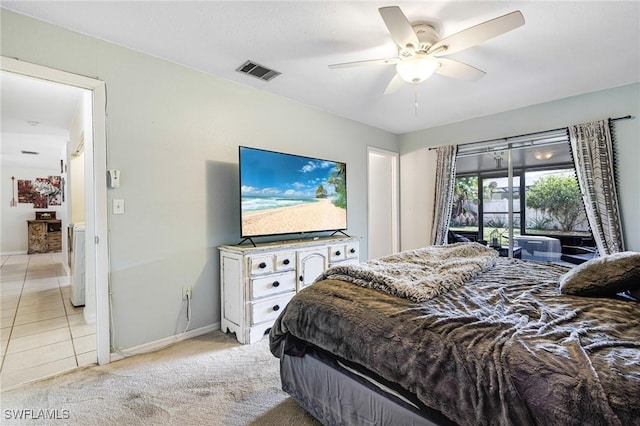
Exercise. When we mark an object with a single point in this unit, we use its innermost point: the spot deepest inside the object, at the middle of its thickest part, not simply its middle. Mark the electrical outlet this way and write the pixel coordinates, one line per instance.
(186, 293)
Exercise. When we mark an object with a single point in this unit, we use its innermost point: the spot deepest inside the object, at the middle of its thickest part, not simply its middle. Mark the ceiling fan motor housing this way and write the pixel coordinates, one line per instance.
(427, 35)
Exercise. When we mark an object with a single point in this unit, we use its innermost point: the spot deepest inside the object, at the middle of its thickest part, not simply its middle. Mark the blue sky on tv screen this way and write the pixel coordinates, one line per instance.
(272, 174)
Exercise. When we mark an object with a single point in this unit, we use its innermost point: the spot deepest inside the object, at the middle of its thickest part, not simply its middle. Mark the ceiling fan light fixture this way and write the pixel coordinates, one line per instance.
(543, 155)
(417, 68)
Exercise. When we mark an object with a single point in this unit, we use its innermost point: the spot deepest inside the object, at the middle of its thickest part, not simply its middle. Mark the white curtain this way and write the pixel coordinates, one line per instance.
(592, 152)
(445, 183)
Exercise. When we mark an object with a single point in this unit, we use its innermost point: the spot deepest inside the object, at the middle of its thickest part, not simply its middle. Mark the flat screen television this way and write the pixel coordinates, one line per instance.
(290, 194)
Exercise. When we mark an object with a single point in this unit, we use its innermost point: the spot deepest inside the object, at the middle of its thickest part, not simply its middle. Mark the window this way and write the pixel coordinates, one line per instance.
(554, 204)
(495, 206)
(464, 212)
(545, 197)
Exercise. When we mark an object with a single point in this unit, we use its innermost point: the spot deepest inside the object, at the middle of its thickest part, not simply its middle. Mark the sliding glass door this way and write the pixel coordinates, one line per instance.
(465, 212)
(521, 198)
(495, 222)
(554, 203)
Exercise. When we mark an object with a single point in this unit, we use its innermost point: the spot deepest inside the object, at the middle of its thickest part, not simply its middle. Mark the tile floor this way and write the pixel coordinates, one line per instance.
(42, 333)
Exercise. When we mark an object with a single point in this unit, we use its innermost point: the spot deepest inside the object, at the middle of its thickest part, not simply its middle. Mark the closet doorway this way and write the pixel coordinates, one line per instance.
(383, 204)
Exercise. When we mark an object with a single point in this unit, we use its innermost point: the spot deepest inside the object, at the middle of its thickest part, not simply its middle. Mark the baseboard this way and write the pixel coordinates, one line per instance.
(13, 253)
(159, 344)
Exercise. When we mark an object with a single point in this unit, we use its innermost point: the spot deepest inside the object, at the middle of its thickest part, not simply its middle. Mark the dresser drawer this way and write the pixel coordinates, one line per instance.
(272, 285)
(268, 310)
(260, 265)
(336, 253)
(351, 261)
(285, 261)
(351, 251)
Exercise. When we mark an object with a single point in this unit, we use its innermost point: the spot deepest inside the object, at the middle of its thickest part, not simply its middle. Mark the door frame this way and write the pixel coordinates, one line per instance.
(97, 262)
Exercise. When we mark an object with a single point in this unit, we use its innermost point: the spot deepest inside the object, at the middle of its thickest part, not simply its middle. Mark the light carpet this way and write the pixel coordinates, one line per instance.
(207, 380)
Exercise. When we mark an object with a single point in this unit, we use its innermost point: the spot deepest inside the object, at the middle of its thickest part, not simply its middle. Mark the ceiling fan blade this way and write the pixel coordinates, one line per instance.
(399, 27)
(394, 84)
(389, 61)
(460, 70)
(478, 33)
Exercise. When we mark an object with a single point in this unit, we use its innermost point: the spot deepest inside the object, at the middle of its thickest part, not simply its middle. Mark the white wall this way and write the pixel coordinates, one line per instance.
(76, 188)
(417, 192)
(174, 134)
(616, 102)
(79, 134)
(14, 219)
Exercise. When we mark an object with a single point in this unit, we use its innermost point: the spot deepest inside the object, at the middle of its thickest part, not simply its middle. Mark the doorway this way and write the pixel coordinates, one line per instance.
(383, 204)
(96, 254)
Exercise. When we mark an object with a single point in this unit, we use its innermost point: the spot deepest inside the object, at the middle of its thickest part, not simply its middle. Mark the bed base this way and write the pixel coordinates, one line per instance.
(336, 394)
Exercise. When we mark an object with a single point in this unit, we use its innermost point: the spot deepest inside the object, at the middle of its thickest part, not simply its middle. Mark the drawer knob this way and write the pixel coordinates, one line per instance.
(276, 308)
(300, 278)
(275, 284)
(262, 265)
(352, 250)
(286, 261)
(338, 253)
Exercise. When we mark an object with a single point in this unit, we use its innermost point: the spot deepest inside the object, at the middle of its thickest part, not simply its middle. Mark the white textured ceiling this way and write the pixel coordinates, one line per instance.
(36, 116)
(564, 49)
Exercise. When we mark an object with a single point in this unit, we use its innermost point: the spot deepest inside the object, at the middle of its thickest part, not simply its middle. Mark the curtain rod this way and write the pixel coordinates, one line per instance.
(471, 154)
(626, 117)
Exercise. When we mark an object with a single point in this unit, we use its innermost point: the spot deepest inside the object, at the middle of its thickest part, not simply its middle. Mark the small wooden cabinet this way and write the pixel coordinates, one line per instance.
(44, 236)
(258, 282)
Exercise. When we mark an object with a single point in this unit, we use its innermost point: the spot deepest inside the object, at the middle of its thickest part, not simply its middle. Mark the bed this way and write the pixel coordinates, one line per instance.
(488, 341)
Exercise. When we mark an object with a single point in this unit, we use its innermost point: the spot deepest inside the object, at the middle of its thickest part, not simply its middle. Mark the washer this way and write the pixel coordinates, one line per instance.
(77, 264)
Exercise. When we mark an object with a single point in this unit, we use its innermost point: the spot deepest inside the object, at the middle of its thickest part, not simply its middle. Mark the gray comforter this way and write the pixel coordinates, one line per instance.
(504, 348)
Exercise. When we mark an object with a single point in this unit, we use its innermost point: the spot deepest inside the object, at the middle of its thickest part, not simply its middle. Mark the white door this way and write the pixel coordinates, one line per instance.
(383, 230)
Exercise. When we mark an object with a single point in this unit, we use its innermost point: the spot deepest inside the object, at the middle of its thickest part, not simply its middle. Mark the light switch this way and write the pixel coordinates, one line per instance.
(118, 206)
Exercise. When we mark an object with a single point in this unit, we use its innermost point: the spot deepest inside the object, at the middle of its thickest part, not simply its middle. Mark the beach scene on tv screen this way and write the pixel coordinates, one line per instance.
(284, 194)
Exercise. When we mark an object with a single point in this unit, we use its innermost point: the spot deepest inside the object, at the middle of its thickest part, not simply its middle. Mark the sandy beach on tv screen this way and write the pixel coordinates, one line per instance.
(320, 215)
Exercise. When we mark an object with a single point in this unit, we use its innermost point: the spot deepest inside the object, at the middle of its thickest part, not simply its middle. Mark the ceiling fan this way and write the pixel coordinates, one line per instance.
(420, 48)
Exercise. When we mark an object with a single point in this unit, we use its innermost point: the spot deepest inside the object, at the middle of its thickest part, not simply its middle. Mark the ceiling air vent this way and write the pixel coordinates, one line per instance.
(30, 152)
(258, 71)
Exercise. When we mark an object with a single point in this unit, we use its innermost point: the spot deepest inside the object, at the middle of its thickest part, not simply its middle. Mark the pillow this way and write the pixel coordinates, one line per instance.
(603, 276)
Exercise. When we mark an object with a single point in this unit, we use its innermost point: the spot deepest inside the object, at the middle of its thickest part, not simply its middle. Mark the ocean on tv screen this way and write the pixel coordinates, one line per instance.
(253, 203)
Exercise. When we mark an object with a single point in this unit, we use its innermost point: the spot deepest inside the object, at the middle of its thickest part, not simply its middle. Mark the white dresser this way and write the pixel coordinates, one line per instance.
(258, 282)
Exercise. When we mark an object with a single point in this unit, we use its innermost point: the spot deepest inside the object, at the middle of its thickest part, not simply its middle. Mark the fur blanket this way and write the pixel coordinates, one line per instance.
(421, 274)
(506, 348)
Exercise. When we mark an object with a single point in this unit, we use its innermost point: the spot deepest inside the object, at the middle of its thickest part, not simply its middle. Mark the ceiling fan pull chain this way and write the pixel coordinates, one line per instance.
(415, 97)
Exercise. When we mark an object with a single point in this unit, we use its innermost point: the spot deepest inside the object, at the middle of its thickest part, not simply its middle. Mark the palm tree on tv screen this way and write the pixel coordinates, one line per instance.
(338, 179)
